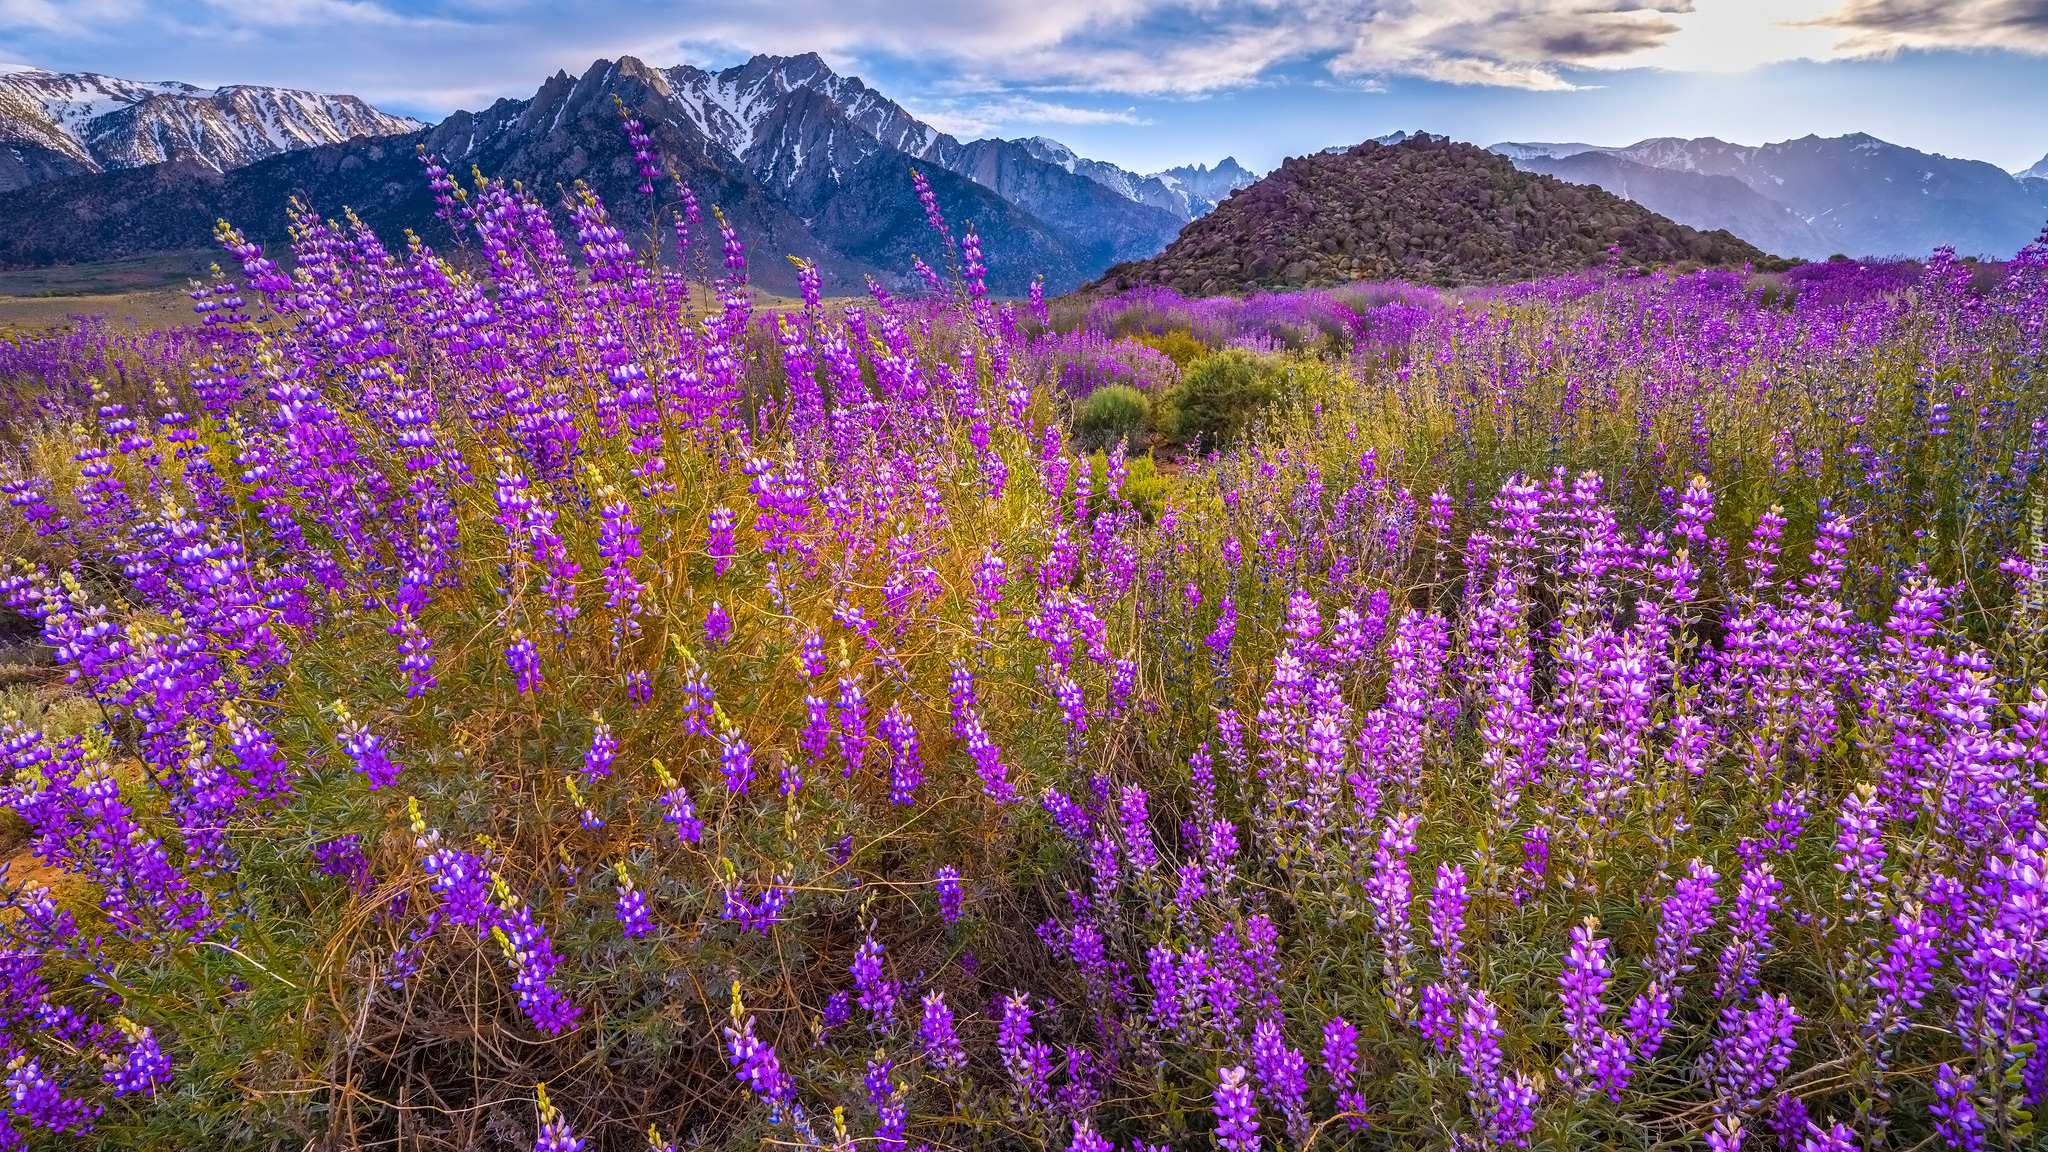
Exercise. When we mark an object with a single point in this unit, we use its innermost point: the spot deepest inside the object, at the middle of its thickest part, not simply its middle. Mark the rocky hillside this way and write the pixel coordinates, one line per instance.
(1424, 209)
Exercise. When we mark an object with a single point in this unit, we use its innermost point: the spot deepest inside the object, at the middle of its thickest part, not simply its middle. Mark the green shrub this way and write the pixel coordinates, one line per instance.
(1111, 416)
(1179, 346)
(1219, 394)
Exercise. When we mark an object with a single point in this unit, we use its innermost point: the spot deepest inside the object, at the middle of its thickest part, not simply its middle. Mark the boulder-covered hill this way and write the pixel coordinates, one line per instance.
(1425, 209)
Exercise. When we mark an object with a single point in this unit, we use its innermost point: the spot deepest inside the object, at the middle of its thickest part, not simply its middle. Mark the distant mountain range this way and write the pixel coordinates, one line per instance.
(1424, 209)
(801, 160)
(1814, 196)
(54, 126)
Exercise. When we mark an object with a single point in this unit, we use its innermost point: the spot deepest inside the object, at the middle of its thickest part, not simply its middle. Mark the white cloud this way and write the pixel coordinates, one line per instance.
(989, 117)
(1881, 27)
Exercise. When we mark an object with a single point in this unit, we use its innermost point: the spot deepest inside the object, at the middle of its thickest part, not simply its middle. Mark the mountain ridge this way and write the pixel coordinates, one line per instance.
(56, 125)
(1862, 195)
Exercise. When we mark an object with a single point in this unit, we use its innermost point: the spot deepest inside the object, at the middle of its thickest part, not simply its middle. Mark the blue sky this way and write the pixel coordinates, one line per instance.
(1149, 83)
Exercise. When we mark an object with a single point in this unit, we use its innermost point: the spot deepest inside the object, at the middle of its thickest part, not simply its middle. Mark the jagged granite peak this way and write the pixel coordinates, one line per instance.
(2038, 172)
(1206, 187)
(1130, 185)
(1866, 196)
(1425, 209)
(54, 125)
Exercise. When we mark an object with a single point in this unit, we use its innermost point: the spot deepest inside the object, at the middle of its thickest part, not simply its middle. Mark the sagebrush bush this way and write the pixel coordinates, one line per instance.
(1114, 416)
(1219, 395)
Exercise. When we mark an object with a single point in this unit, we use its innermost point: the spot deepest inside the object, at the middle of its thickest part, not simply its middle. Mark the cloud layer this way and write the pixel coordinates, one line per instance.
(1145, 47)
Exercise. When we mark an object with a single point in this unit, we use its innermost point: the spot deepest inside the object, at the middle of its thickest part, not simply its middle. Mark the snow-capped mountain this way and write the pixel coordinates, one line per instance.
(1539, 151)
(1205, 187)
(1860, 195)
(1128, 184)
(2038, 172)
(54, 125)
(802, 161)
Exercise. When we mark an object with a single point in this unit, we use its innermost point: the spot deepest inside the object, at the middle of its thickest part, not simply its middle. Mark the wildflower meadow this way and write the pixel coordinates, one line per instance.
(530, 696)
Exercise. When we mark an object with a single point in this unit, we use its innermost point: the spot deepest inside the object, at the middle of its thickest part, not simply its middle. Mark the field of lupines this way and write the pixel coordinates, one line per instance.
(494, 703)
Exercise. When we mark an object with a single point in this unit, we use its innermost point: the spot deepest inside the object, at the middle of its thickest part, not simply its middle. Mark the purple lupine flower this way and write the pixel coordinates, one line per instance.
(717, 625)
(677, 808)
(1281, 1072)
(603, 748)
(812, 655)
(1436, 1015)
(877, 1082)
(1906, 974)
(1756, 897)
(142, 1066)
(755, 1064)
(1023, 1059)
(343, 859)
(1388, 892)
(1788, 1119)
(38, 1099)
(905, 765)
(1687, 912)
(1123, 680)
(1503, 1105)
(1340, 1060)
(522, 659)
(1237, 1118)
(816, 737)
(1754, 1046)
(1220, 638)
(947, 882)
(367, 752)
(555, 1135)
(889, 1121)
(935, 1032)
(736, 762)
(531, 953)
(1860, 844)
(719, 543)
(634, 920)
(1955, 1112)
(1447, 914)
(1085, 1137)
(988, 759)
(853, 723)
(877, 993)
(1137, 830)
(1597, 1055)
